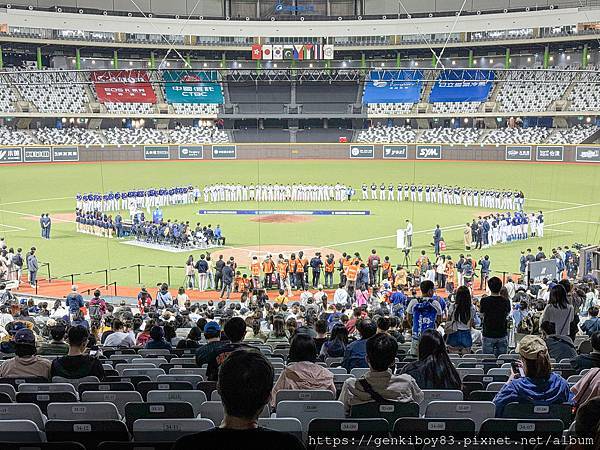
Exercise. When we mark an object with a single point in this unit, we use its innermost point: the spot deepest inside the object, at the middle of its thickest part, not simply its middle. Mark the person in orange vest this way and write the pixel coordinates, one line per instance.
(301, 264)
(255, 272)
(268, 268)
(401, 278)
(387, 272)
(329, 269)
(422, 262)
(352, 274)
(282, 272)
(304, 261)
(345, 264)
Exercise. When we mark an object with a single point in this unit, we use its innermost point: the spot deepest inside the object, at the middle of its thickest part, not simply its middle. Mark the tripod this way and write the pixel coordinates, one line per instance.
(406, 252)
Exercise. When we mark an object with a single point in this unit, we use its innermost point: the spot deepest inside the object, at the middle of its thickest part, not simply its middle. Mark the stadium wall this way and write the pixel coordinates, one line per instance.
(517, 153)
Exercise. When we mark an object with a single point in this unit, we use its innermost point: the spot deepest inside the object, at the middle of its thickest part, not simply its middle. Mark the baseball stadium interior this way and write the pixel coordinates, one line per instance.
(299, 224)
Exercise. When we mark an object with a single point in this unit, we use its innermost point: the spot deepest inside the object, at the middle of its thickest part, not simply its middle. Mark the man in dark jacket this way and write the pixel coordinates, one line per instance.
(315, 264)
(227, 275)
(219, 272)
(356, 352)
(589, 361)
(559, 347)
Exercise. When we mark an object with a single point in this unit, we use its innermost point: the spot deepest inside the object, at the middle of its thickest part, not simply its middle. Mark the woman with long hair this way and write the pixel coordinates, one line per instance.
(433, 369)
(559, 311)
(190, 273)
(278, 334)
(336, 345)
(460, 320)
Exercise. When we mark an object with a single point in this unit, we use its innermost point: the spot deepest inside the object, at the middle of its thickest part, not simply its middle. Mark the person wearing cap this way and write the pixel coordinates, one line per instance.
(26, 363)
(212, 334)
(539, 385)
(74, 301)
(32, 267)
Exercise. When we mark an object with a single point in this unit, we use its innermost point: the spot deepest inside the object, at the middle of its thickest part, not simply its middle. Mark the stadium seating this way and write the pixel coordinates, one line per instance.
(451, 135)
(198, 135)
(532, 135)
(53, 92)
(455, 107)
(130, 109)
(7, 98)
(67, 136)
(389, 109)
(585, 94)
(380, 134)
(197, 109)
(15, 137)
(575, 135)
(518, 91)
(126, 136)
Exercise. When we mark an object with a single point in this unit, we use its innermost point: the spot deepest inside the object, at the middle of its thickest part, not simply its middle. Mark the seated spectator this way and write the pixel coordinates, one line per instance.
(57, 346)
(242, 406)
(335, 346)
(192, 340)
(356, 352)
(587, 388)
(26, 363)
(118, 337)
(592, 325)
(235, 329)
(589, 361)
(79, 320)
(396, 330)
(143, 337)
(321, 330)
(157, 339)
(212, 334)
(587, 425)
(559, 347)
(559, 311)
(540, 386)
(383, 325)
(433, 370)
(77, 364)
(380, 384)
(301, 371)
(254, 332)
(278, 335)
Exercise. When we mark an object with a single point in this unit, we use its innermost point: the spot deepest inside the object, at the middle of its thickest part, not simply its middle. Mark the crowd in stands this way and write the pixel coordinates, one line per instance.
(8, 136)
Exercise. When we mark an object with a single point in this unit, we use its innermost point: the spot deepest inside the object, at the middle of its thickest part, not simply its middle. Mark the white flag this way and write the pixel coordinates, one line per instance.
(278, 52)
(267, 52)
(328, 51)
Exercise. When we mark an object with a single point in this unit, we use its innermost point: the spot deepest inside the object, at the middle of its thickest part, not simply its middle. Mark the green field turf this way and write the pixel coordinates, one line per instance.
(567, 193)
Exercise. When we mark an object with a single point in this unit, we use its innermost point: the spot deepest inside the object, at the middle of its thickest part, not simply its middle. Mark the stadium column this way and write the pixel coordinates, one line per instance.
(546, 57)
(398, 60)
(434, 59)
(1, 59)
(115, 59)
(470, 60)
(584, 56)
(507, 58)
(77, 59)
(40, 64)
(152, 61)
(188, 61)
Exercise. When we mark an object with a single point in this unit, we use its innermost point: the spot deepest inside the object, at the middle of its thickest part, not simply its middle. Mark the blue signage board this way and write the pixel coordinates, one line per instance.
(37, 154)
(156, 152)
(395, 152)
(429, 152)
(362, 151)
(182, 86)
(393, 86)
(11, 155)
(462, 86)
(224, 152)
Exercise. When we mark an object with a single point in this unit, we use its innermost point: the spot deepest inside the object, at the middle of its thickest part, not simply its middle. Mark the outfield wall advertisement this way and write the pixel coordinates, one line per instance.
(429, 152)
(395, 152)
(11, 155)
(518, 152)
(549, 153)
(224, 152)
(37, 154)
(587, 154)
(362, 151)
(65, 153)
(191, 152)
(157, 152)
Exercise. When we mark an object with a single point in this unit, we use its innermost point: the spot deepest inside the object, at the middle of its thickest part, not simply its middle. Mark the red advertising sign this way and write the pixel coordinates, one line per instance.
(123, 86)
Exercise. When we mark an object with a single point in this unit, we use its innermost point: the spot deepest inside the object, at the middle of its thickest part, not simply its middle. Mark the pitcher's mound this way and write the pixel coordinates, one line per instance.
(281, 218)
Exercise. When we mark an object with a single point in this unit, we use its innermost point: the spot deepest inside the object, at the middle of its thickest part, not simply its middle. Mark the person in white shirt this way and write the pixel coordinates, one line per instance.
(409, 234)
(119, 337)
(318, 296)
(340, 297)
(59, 311)
(305, 295)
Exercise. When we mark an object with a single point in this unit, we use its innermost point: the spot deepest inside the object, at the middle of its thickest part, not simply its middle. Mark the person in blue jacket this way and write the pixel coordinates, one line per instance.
(355, 355)
(537, 385)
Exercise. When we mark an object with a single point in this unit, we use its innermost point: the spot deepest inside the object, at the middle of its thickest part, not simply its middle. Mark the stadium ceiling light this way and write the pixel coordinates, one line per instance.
(205, 64)
(453, 62)
(529, 59)
(310, 65)
(491, 61)
(588, 119)
(93, 61)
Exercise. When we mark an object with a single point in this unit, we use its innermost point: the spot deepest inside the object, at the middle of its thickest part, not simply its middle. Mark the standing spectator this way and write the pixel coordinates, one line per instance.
(423, 313)
(379, 384)
(494, 310)
(316, 264)
(77, 364)
(356, 352)
(437, 238)
(433, 369)
(210, 273)
(242, 406)
(190, 273)
(467, 237)
(559, 311)
(18, 264)
(74, 301)
(302, 372)
(460, 320)
(97, 307)
(32, 267)
(26, 363)
(374, 263)
(539, 385)
(163, 297)
(219, 265)
(202, 268)
(484, 264)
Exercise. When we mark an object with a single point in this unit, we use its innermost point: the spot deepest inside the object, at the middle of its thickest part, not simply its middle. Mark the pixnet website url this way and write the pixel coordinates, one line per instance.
(433, 442)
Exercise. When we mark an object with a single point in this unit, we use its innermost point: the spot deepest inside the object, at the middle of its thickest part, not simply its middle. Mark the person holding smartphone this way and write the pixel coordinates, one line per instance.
(532, 379)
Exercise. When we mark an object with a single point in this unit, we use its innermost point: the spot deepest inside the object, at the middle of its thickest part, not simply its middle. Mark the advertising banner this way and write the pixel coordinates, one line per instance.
(362, 151)
(224, 152)
(156, 152)
(191, 152)
(549, 153)
(393, 86)
(539, 270)
(587, 154)
(11, 155)
(37, 154)
(395, 152)
(65, 153)
(193, 87)
(462, 86)
(518, 152)
(123, 86)
(429, 152)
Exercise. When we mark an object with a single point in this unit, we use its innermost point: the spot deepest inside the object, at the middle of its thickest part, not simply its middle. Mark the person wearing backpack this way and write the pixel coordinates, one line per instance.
(495, 310)
(163, 297)
(97, 307)
(423, 313)
(373, 262)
